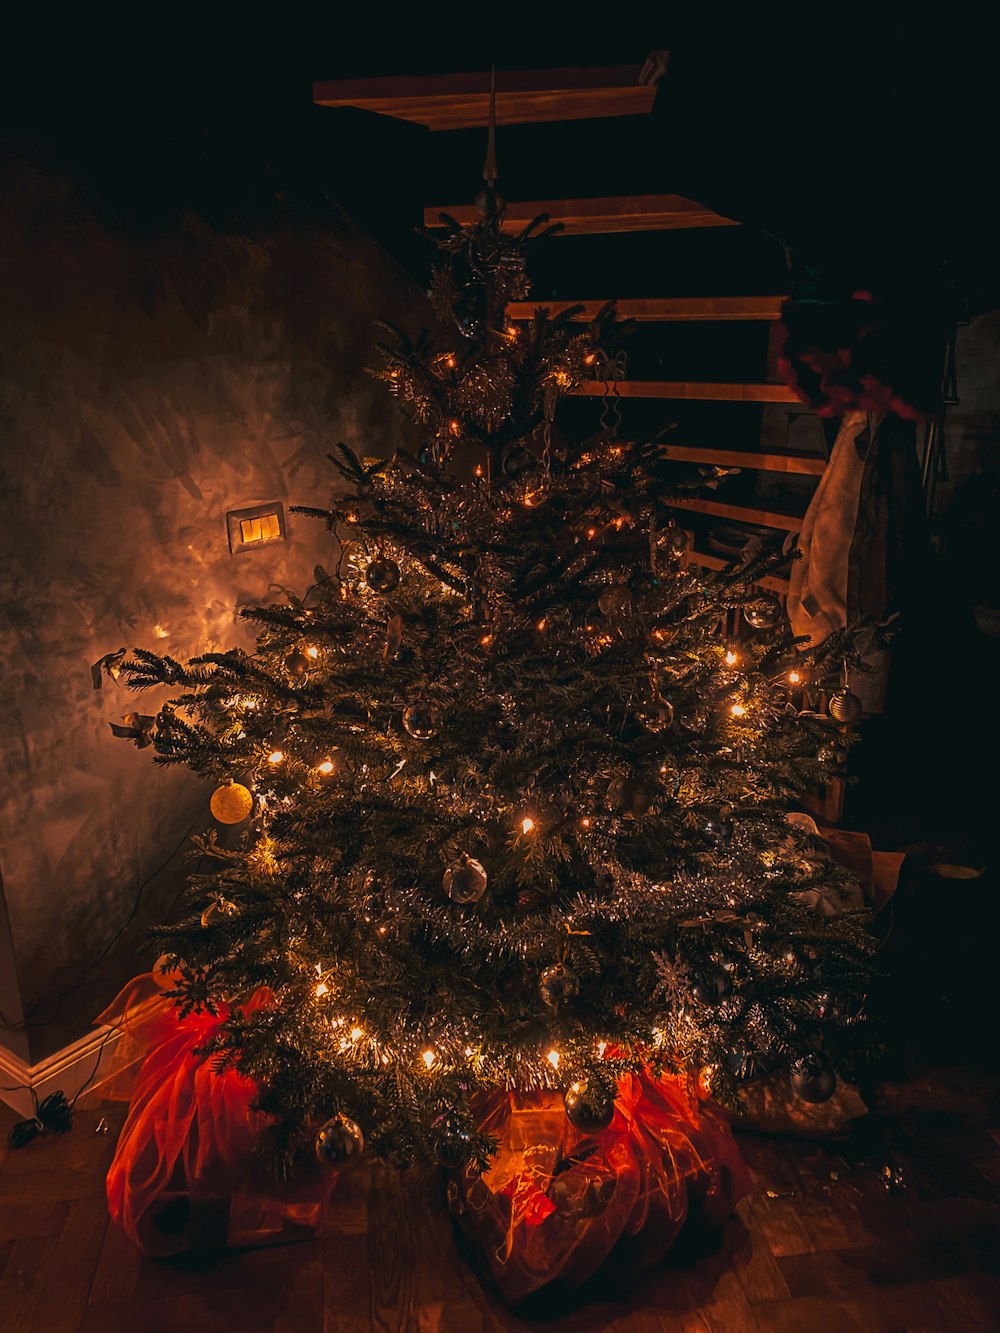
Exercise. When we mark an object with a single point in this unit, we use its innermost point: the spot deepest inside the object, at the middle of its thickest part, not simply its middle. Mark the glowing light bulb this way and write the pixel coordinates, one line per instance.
(479, 470)
(589, 359)
(455, 426)
(512, 330)
(794, 678)
(527, 824)
(585, 822)
(312, 652)
(325, 767)
(450, 362)
(664, 770)
(428, 1058)
(487, 638)
(738, 710)
(275, 757)
(540, 625)
(732, 658)
(591, 533)
(602, 1046)
(357, 1034)
(553, 1058)
(321, 989)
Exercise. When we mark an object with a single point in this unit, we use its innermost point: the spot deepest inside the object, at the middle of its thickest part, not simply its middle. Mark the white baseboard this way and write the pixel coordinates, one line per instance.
(85, 1061)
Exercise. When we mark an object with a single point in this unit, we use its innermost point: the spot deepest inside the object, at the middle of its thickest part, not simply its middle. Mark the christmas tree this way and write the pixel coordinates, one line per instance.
(515, 799)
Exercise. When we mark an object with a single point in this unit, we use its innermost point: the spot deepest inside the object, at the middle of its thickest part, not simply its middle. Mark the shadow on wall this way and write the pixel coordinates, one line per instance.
(147, 387)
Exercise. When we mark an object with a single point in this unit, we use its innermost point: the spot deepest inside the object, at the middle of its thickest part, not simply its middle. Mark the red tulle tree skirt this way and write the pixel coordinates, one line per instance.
(186, 1173)
(556, 1204)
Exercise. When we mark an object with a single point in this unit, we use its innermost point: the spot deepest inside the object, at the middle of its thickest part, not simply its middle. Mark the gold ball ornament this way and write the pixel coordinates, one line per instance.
(165, 975)
(231, 803)
(845, 706)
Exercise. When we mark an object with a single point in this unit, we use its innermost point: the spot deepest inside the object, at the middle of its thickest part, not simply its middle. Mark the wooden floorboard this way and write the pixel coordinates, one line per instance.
(820, 1245)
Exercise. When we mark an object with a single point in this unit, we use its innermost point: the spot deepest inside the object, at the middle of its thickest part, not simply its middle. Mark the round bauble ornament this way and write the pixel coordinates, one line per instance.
(297, 664)
(557, 984)
(629, 797)
(765, 615)
(465, 881)
(422, 718)
(166, 975)
(672, 543)
(231, 803)
(489, 202)
(720, 829)
(845, 706)
(382, 575)
(215, 911)
(834, 755)
(656, 714)
(616, 601)
(586, 1111)
(812, 1078)
(518, 460)
(340, 1143)
(713, 986)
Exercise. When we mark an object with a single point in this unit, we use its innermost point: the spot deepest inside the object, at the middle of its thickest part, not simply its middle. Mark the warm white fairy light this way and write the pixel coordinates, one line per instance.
(794, 678)
(527, 824)
(313, 652)
(275, 757)
(553, 1058)
(732, 657)
(738, 710)
(357, 1034)
(428, 1057)
(326, 767)
(602, 1046)
(321, 989)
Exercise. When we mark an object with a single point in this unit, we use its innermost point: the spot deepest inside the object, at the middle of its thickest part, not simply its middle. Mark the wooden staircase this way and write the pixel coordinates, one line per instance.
(460, 101)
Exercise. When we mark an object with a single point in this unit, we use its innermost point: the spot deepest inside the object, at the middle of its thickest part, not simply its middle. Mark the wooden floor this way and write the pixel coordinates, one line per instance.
(822, 1244)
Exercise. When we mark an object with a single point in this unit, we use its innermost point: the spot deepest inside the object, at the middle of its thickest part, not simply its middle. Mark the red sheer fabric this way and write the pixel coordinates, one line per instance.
(185, 1173)
(556, 1204)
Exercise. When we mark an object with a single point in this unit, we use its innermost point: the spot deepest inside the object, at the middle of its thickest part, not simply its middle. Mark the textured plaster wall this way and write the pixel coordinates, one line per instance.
(148, 384)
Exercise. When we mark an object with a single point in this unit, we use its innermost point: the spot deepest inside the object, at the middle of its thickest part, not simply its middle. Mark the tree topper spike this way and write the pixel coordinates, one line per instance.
(490, 172)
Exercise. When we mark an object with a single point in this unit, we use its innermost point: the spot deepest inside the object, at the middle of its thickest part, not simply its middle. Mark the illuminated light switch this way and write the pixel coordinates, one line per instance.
(255, 526)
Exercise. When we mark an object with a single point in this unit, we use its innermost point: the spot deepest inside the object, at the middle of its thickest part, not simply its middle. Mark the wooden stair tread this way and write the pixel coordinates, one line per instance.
(462, 101)
(708, 561)
(588, 217)
(689, 309)
(768, 518)
(703, 390)
(807, 465)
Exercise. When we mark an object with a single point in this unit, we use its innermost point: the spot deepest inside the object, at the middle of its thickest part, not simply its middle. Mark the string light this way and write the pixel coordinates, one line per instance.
(428, 1057)
(321, 989)
(732, 657)
(455, 426)
(585, 822)
(275, 757)
(541, 624)
(589, 359)
(527, 824)
(312, 652)
(450, 361)
(357, 1034)
(325, 767)
(738, 710)
(602, 1046)
(591, 533)
(479, 469)
(794, 678)
(553, 1058)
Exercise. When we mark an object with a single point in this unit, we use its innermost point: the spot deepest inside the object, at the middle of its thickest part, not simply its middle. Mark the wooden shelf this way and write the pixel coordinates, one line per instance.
(804, 465)
(589, 217)
(768, 518)
(689, 309)
(709, 392)
(462, 101)
(707, 561)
